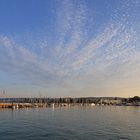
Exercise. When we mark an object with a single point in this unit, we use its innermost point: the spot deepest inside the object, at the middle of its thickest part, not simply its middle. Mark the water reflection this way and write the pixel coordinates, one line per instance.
(98, 122)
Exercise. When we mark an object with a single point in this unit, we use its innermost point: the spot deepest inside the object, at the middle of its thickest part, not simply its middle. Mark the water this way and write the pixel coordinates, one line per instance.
(75, 123)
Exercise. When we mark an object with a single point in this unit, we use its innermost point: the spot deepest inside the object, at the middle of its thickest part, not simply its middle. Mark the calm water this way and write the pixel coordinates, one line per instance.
(75, 123)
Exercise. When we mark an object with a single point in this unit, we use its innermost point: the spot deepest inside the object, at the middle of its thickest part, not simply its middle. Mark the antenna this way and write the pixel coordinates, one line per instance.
(3, 92)
(39, 94)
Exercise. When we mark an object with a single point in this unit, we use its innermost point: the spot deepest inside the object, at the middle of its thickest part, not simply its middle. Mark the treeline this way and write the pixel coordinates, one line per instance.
(60, 100)
(96, 100)
(134, 99)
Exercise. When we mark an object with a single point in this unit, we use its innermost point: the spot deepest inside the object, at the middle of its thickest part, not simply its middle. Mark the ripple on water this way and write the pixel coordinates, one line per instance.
(106, 123)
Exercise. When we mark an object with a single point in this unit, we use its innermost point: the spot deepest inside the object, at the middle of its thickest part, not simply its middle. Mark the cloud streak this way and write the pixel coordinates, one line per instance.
(77, 62)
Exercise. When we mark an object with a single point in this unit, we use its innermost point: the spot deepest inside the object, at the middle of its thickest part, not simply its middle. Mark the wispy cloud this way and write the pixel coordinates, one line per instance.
(76, 61)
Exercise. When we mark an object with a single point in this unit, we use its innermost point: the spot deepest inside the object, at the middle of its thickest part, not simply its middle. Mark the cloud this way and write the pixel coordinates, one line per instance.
(76, 61)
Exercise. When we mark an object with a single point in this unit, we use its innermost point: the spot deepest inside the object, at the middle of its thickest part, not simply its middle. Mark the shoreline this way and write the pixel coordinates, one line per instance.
(68, 101)
(55, 105)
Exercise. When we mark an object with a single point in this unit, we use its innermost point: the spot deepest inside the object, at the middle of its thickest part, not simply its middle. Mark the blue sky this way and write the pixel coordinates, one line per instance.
(69, 48)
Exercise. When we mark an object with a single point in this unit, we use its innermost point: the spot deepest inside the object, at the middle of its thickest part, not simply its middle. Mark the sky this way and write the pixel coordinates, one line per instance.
(69, 48)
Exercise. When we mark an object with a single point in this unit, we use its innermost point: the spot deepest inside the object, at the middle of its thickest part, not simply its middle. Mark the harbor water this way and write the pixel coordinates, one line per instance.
(71, 123)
